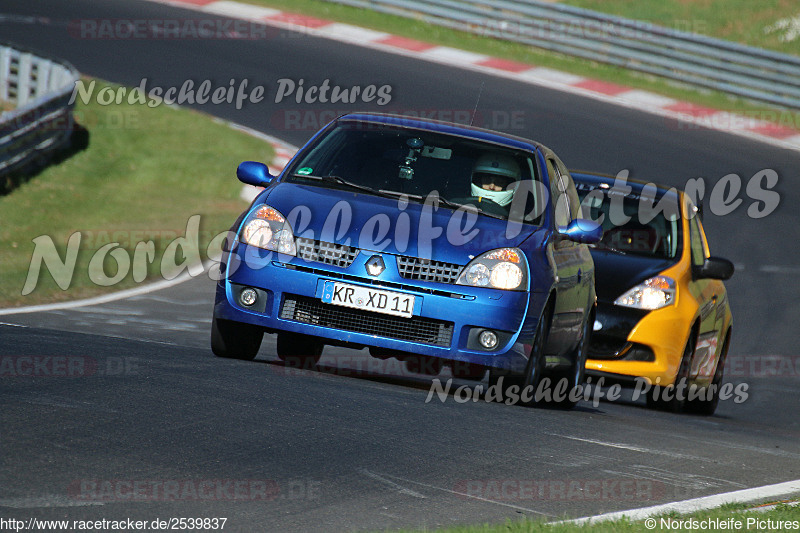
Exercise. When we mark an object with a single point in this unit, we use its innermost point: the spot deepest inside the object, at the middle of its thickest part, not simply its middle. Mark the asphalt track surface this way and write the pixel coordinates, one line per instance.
(352, 446)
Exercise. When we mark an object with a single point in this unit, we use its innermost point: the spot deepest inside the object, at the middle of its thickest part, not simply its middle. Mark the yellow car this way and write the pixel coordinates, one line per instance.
(663, 322)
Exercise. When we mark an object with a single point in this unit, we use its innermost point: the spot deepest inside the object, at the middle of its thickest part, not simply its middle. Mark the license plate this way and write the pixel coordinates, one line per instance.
(368, 299)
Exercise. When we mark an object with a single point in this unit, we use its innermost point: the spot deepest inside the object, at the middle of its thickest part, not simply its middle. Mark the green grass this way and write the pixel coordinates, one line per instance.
(729, 513)
(498, 48)
(145, 172)
(743, 21)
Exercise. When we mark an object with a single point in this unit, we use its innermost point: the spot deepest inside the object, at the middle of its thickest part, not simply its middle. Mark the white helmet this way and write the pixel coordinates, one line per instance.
(498, 171)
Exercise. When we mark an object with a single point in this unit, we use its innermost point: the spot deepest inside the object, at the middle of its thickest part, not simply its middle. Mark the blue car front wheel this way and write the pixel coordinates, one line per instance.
(574, 375)
(527, 383)
(235, 340)
(299, 351)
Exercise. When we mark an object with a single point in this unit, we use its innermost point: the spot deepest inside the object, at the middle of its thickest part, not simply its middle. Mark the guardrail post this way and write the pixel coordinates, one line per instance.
(5, 72)
(24, 79)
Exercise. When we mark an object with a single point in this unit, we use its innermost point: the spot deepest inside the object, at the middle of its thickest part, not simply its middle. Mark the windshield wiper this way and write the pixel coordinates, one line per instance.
(341, 181)
(456, 205)
(420, 198)
(398, 194)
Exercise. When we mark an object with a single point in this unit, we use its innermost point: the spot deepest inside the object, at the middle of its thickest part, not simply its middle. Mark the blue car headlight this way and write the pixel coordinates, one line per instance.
(504, 268)
(267, 228)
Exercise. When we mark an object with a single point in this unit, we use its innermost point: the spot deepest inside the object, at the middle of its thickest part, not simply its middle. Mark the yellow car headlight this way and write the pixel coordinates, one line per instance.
(651, 294)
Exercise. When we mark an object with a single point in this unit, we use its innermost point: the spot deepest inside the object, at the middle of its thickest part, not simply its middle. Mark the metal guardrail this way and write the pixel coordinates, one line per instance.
(41, 121)
(692, 59)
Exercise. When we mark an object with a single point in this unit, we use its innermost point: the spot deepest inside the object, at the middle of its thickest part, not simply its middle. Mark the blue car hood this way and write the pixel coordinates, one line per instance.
(352, 218)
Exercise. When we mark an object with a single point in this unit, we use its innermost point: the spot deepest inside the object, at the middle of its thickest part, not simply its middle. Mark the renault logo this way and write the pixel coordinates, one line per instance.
(375, 265)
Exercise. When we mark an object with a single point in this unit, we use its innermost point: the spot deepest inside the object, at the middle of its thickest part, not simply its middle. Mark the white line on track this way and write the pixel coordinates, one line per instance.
(631, 447)
(464, 495)
(399, 488)
(106, 298)
(737, 446)
(779, 269)
(697, 504)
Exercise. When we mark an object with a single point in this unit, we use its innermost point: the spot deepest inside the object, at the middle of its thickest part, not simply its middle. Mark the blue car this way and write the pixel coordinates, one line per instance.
(435, 243)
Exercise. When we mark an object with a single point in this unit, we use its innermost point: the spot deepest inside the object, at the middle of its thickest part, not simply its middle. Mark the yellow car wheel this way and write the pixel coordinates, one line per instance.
(706, 404)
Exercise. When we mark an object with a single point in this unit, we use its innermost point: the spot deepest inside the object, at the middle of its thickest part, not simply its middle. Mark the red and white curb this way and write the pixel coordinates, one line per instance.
(686, 115)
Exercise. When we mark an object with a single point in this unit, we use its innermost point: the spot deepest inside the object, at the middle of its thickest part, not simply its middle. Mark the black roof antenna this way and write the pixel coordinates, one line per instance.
(474, 111)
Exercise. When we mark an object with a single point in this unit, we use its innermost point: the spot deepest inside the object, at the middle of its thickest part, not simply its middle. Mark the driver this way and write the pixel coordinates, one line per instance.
(492, 177)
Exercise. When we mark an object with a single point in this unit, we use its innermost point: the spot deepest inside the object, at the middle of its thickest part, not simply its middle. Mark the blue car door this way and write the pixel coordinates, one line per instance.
(568, 262)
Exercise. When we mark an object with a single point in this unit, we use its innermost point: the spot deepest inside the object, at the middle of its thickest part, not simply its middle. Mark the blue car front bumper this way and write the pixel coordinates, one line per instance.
(446, 322)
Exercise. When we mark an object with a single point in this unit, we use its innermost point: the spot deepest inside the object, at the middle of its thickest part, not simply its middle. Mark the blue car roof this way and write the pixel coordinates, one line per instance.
(439, 126)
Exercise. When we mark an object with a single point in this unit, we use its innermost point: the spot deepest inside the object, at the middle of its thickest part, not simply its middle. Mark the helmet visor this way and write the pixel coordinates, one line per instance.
(491, 182)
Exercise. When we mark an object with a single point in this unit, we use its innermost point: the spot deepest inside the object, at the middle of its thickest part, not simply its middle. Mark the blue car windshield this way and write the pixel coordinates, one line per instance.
(633, 226)
(395, 161)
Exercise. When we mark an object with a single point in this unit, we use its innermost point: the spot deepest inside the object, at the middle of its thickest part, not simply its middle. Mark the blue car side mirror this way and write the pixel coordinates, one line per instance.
(254, 173)
(583, 231)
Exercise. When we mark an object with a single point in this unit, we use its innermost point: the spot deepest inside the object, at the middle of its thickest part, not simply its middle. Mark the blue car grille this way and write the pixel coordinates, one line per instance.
(427, 270)
(415, 329)
(325, 252)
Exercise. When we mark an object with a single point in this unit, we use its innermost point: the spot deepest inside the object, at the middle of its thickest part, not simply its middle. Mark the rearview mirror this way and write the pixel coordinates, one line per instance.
(715, 268)
(583, 231)
(254, 173)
